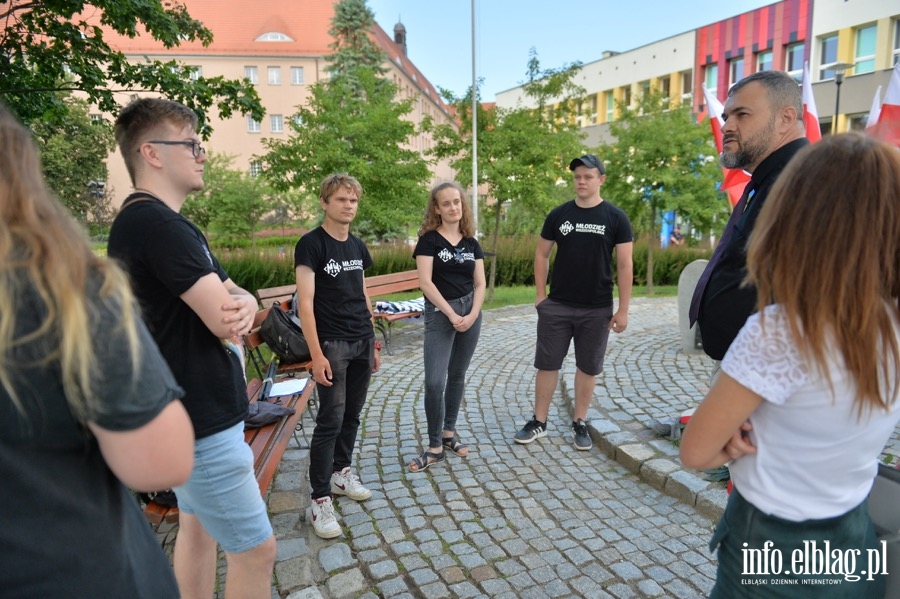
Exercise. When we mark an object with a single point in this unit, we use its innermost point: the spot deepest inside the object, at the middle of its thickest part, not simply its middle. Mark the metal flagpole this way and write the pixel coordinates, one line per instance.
(474, 129)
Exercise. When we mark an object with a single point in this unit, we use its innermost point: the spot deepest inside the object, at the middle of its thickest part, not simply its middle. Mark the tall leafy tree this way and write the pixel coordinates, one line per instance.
(52, 46)
(354, 123)
(74, 156)
(661, 161)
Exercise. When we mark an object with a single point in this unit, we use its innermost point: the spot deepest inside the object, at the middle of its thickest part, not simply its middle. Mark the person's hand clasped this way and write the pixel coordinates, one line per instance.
(462, 323)
(739, 444)
(240, 312)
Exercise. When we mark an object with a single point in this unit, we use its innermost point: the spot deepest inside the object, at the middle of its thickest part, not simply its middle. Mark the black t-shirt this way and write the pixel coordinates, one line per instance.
(453, 271)
(165, 255)
(586, 238)
(339, 305)
(726, 303)
(70, 528)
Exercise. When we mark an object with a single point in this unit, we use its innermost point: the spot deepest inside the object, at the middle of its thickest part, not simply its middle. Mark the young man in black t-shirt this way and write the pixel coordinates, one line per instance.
(580, 305)
(337, 321)
(194, 311)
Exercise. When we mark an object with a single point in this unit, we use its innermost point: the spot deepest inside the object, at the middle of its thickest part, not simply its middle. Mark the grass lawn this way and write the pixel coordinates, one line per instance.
(514, 296)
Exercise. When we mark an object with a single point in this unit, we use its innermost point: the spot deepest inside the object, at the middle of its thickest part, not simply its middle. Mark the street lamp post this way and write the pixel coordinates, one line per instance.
(838, 69)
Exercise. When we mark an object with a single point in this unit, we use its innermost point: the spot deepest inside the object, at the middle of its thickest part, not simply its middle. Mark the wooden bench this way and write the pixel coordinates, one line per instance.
(375, 286)
(267, 442)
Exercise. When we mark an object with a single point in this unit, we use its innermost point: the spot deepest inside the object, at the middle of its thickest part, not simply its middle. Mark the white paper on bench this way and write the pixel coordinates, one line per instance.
(288, 387)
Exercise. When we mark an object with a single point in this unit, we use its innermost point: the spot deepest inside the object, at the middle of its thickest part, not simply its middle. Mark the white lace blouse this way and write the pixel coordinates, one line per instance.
(815, 457)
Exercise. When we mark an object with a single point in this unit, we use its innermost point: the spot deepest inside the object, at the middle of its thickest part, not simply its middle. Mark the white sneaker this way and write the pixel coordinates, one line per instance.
(347, 483)
(323, 519)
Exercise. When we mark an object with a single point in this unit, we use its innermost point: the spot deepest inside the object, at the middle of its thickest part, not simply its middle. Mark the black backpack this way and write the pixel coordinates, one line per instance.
(282, 333)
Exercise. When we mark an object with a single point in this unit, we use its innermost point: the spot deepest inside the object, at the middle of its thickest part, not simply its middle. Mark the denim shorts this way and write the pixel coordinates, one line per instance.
(223, 494)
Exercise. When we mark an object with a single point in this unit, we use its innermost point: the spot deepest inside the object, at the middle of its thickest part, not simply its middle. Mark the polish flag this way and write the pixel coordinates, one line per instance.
(734, 179)
(888, 126)
(875, 110)
(810, 114)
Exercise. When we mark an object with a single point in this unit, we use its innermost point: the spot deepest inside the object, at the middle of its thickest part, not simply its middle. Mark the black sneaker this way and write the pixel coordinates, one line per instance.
(531, 431)
(582, 436)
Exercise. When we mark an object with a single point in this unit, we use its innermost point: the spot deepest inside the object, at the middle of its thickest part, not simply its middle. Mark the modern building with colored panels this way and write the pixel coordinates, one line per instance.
(772, 37)
(280, 46)
(863, 34)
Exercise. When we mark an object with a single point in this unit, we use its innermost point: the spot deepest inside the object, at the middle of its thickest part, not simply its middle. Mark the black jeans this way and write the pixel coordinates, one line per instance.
(340, 405)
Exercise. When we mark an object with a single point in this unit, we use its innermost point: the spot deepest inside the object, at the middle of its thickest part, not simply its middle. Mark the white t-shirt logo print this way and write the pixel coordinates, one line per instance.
(333, 268)
(445, 255)
(566, 228)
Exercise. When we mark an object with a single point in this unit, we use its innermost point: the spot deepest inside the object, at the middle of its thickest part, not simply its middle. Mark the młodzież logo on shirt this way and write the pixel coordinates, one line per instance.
(568, 227)
(334, 268)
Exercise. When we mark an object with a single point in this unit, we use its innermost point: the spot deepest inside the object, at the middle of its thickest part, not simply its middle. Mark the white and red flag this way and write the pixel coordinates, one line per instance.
(887, 128)
(875, 110)
(810, 114)
(734, 179)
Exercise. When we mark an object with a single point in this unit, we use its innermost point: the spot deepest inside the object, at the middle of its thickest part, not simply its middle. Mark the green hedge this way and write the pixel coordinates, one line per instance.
(264, 267)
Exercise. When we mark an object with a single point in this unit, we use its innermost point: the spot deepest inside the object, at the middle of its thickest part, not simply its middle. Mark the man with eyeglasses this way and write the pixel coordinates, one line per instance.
(194, 311)
(587, 231)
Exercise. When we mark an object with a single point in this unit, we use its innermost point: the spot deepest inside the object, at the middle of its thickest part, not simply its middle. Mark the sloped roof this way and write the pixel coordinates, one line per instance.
(236, 25)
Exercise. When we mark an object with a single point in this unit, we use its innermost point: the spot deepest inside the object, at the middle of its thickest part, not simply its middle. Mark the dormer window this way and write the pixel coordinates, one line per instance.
(274, 36)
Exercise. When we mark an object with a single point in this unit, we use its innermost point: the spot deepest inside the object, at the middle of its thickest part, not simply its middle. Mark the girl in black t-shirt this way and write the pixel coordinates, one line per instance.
(451, 275)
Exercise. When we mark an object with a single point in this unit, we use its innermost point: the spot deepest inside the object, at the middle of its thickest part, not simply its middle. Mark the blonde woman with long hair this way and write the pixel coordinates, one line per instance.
(450, 263)
(86, 401)
(807, 395)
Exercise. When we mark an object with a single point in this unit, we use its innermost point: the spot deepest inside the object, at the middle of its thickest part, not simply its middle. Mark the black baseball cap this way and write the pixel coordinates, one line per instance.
(588, 160)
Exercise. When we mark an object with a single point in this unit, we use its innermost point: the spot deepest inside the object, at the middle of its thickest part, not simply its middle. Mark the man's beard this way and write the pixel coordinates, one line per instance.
(750, 151)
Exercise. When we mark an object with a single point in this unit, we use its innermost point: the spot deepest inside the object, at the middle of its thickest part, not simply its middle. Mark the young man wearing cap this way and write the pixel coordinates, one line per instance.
(580, 304)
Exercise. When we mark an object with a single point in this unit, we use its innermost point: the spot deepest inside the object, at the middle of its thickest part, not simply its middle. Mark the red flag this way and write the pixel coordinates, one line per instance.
(888, 126)
(810, 114)
(733, 179)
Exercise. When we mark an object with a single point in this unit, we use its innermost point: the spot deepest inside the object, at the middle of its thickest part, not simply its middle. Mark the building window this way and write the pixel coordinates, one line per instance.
(196, 73)
(276, 123)
(253, 126)
(610, 107)
(711, 79)
(864, 60)
(665, 87)
(298, 120)
(858, 121)
(687, 85)
(274, 75)
(764, 61)
(828, 47)
(626, 96)
(296, 75)
(251, 74)
(735, 70)
(593, 115)
(793, 61)
(96, 119)
(255, 169)
(274, 36)
(896, 42)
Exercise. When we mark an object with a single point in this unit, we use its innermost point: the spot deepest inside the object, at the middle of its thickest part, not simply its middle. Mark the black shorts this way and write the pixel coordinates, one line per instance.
(559, 323)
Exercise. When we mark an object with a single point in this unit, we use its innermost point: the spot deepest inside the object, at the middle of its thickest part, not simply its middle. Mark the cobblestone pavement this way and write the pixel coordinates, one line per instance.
(509, 520)
(541, 520)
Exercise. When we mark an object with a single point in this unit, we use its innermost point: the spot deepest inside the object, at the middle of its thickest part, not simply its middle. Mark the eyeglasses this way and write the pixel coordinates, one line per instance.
(196, 148)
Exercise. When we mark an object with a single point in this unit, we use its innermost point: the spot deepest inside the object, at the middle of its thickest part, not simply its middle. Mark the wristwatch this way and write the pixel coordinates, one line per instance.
(378, 345)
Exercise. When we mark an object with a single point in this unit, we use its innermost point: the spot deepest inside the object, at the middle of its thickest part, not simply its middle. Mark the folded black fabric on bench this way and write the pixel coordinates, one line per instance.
(262, 413)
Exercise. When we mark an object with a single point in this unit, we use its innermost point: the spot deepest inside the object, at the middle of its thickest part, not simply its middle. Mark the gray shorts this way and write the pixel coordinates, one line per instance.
(559, 323)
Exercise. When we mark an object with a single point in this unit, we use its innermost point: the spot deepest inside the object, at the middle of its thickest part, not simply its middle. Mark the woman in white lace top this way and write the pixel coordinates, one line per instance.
(806, 399)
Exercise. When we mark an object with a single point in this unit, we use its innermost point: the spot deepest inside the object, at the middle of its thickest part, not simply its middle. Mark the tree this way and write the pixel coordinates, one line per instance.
(353, 47)
(521, 152)
(48, 47)
(231, 203)
(74, 156)
(353, 123)
(662, 161)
